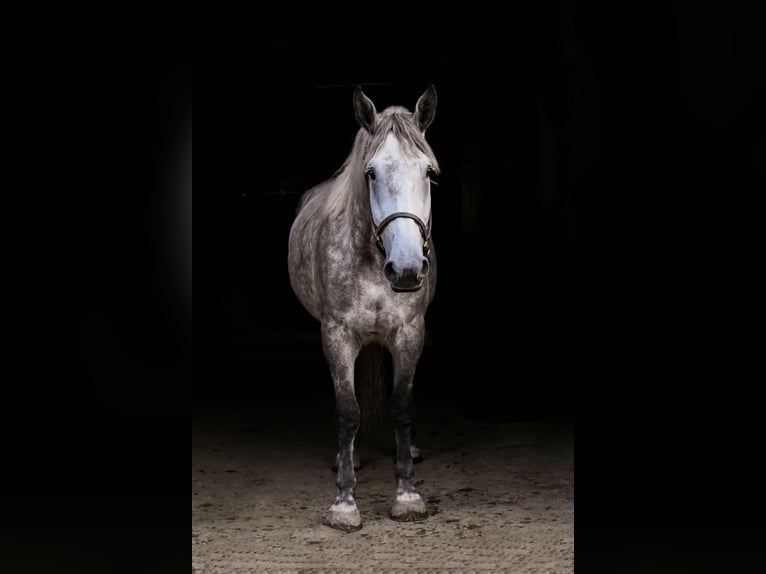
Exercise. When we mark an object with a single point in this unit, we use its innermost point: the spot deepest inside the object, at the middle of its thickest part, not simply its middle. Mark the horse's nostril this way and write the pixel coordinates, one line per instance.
(388, 270)
(424, 269)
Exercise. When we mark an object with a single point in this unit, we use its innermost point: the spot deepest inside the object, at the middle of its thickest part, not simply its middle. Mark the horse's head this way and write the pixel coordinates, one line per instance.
(398, 169)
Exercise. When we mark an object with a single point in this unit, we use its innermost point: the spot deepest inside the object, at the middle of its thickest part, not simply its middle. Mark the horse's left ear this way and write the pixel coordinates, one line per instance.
(425, 109)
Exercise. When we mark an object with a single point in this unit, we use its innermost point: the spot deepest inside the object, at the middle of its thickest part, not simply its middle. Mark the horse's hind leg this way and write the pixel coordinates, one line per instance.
(341, 352)
(409, 504)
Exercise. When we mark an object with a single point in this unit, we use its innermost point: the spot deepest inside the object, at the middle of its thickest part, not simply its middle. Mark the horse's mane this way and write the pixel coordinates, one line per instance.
(336, 195)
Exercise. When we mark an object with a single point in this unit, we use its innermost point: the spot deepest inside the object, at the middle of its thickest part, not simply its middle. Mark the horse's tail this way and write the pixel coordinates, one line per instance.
(369, 382)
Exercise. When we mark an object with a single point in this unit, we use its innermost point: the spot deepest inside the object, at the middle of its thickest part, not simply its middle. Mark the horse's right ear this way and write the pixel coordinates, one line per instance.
(366, 114)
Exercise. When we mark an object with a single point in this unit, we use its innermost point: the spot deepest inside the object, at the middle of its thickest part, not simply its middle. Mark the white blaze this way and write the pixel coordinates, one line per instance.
(401, 185)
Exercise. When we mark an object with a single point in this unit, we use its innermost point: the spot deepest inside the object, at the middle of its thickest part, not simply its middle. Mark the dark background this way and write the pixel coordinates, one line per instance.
(595, 165)
(505, 217)
(504, 313)
(595, 223)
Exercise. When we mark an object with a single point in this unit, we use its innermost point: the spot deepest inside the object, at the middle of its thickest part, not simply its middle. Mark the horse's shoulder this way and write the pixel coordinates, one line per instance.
(305, 198)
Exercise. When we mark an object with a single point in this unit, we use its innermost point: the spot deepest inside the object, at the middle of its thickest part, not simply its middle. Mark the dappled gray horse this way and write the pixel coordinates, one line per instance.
(362, 262)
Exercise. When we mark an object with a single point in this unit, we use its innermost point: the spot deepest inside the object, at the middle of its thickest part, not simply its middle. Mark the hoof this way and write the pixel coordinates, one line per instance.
(343, 517)
(357, 462)
(409, 507)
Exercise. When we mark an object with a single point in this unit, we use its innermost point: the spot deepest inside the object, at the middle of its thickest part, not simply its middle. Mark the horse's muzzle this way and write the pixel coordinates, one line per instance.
(405, 279)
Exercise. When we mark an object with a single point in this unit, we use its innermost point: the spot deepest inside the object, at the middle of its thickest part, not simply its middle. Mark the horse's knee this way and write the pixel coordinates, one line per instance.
(350, 419)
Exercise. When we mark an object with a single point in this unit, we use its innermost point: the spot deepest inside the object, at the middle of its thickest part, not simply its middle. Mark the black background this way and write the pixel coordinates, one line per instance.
(614, 158)
(610, 161)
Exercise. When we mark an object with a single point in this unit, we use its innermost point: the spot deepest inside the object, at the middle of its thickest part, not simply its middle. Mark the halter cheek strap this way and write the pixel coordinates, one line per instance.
(425, 230)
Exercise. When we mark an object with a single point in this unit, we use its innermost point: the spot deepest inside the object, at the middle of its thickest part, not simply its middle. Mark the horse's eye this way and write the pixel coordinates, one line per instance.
(370, 173)
(430, 174)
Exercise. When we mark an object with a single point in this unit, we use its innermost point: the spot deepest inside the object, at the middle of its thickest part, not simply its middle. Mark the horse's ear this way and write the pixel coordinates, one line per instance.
(425, 109)
(366, 114)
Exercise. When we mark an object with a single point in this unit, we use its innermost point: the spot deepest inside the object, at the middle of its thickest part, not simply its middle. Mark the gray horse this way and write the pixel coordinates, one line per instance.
(362, 262)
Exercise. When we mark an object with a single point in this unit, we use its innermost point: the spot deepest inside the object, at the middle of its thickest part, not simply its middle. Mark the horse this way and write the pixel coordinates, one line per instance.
(362, 262)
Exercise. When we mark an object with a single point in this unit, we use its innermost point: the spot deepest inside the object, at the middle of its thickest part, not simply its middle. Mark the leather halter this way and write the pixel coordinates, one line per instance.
(425, 230)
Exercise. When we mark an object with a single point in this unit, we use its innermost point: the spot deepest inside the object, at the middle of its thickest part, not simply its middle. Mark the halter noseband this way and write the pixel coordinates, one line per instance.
(425, 230)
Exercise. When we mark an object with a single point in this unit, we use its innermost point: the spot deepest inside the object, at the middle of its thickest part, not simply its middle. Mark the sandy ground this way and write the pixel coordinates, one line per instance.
(500, 497)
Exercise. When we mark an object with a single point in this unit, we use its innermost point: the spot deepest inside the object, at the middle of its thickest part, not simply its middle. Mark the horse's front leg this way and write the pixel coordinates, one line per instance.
(414, 449)
(406, 352)
(340, 350)
(357, 460)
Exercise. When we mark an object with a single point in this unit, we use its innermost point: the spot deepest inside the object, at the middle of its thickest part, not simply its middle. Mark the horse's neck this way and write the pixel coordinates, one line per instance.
(358, 223)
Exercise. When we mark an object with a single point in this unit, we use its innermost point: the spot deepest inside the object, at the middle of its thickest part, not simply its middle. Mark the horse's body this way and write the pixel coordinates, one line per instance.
(361, 262)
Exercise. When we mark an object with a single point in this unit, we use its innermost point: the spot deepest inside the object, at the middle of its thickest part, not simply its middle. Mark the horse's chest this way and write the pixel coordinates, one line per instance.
(379, 311)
